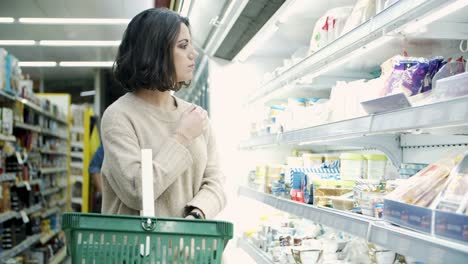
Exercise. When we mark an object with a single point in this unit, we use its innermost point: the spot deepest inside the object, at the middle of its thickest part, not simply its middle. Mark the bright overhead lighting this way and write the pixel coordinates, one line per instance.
(86, 64)
(37, 63)
(17, 42)
(88, 93)
(96, 43)
(7, 20)
(75, 21)
(434, 16)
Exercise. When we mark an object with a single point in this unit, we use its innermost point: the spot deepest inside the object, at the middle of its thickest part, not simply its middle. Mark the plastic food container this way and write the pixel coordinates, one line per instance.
(312, 160)
(330, 158)
(295, 162)
(352, 166)
(376, 166)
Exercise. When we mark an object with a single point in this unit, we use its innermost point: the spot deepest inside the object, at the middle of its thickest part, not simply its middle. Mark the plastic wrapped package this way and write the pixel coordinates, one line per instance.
(3, 55)
(434, 67)
(363, 10)
(329, 27)
(447, 70)
(455, 196)
(407, 76)
(422, 188)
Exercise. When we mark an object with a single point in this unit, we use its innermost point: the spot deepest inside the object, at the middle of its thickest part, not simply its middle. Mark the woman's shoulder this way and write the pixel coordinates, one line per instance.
(116, 113)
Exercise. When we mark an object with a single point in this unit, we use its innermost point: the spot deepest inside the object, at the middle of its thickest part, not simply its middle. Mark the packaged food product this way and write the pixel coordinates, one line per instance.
(455, 196)
(312, 160)
(329, 27)
(352, 166)
(407, 76)
(376, 166)
(363, 10)
(422, 188)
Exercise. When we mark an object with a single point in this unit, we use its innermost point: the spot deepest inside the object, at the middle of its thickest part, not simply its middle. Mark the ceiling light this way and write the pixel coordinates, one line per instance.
(95, 43)
(86, 64)
(17, 42)
(37, 63)
(7, 20)
(75, 21)
(88, 93)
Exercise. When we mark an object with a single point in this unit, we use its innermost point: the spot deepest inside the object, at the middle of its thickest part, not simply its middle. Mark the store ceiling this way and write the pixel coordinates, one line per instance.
(66, 9)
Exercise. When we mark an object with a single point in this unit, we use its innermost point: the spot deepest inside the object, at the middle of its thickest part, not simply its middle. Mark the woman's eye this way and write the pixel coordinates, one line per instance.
(183, 46)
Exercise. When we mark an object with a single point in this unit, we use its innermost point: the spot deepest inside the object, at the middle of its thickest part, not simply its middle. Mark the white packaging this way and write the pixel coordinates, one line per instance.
(362, 11)
(7, 121)
(352, 166)
(376, 166)
(312, 160)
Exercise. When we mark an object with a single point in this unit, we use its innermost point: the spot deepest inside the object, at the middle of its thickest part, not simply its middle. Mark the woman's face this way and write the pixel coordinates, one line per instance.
(184, 55)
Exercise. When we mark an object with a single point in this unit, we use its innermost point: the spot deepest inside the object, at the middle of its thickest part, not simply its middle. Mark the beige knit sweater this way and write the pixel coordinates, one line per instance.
(183, 176)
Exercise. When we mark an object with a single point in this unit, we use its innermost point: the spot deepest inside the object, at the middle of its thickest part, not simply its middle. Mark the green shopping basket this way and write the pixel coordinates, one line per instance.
(118, 239)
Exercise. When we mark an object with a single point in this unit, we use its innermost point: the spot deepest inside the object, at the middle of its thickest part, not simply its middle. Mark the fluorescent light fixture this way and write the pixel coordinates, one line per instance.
(434, 16)
(255, 43)
(17, 42)
(185, 7)
(69, 43)
(88, 93)
(97, 64)
(74, 21)
(7, 20)
(37, 63)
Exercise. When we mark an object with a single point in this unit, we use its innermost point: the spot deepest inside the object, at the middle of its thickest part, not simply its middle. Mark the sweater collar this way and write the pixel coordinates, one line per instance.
(168, 116)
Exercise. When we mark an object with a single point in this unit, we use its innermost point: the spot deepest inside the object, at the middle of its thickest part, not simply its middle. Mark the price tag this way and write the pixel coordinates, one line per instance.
(24, 216)
(18, 157)
(28, 186)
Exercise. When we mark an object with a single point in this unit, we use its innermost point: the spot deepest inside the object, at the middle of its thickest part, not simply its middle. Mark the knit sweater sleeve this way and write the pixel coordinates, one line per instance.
(211, 198)
(123, 157)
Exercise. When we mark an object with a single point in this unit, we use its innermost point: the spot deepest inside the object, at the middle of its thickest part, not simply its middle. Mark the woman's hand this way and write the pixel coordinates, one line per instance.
(191, 125)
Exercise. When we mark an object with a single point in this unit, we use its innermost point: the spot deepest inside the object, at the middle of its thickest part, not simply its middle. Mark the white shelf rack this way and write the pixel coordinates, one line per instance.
(255, 253)
(53, 170)
(352, 45)
(423, 247)
(379, 131)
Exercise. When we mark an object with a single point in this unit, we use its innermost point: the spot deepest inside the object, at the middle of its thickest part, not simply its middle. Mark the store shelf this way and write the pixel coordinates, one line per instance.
(31, 210)
(53, 152)
(76, 200)
(255, 253)
(354, 224)
(7, 138)
(45, 238)
(49, 212)
(52, 170)
(7, 96)
(62, 202)
(50, 191)
(7, 216)
(28, 127)
(53, 134)
(32, 240)
(59, 257)
(7, 177)
(77, 165)
(78, 155)
(376, 131)
(79, 130)
(77, 144)
(31, 183)
(77, 178)
(40, 110)
(422, 247)
(353, 45)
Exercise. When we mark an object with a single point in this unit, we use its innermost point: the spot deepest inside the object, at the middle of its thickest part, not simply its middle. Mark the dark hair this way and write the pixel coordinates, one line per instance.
(145, 56)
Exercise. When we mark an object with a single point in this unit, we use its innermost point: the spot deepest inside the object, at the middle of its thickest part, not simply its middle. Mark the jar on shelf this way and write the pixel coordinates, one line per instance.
(352, 166)
(376, 166)
(312, 160)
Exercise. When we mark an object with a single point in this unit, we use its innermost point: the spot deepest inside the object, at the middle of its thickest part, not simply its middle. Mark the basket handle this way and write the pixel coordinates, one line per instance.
(147, 182)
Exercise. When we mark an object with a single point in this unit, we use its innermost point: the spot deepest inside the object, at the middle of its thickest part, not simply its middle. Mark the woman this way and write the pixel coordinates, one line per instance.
(156, 57)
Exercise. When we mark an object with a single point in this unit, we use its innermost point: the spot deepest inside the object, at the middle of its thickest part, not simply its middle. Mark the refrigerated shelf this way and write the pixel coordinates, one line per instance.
(255, 253)
(20, 248)
(7, 138)
(53, 170)
(423, 247)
